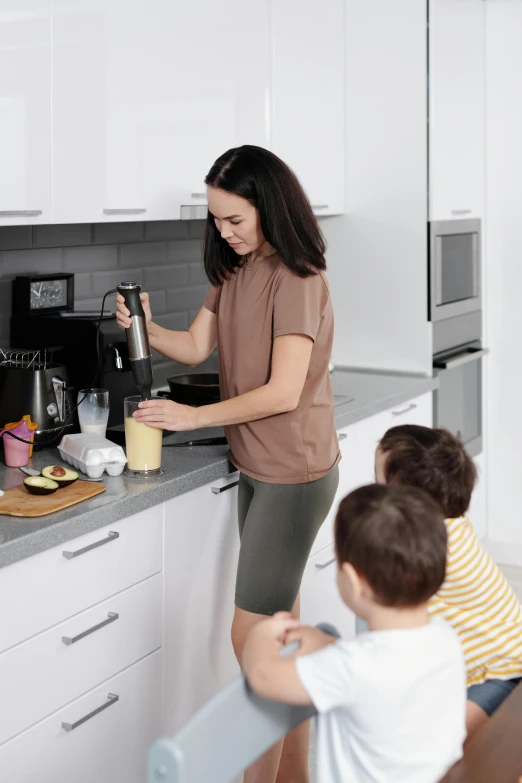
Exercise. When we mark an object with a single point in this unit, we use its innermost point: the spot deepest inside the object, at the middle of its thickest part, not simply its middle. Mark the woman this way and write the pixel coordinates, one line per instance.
(270, 315)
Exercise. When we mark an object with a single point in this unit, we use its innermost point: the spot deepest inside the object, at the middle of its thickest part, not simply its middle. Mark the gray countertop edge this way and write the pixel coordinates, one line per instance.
(218, 467)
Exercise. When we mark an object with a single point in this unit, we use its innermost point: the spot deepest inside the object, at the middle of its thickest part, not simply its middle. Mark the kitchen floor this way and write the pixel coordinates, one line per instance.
(514, 576)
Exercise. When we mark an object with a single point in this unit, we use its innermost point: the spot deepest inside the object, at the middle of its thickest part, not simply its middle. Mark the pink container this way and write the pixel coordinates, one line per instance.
(16, 453)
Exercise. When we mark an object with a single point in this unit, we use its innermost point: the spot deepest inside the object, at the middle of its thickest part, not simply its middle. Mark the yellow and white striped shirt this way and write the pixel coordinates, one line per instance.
(477, 601)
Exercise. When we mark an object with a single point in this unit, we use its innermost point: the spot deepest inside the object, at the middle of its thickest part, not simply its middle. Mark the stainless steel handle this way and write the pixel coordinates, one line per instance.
(77, 552)
(320, 206)
(461, 211)
(471, 355)
(20, 212)
(131, 211)
(410, 407)
(219, 490)
(112, 698)
(322, 566)
(111, 618)
(341, 436)
(59, 393)
(198, 195)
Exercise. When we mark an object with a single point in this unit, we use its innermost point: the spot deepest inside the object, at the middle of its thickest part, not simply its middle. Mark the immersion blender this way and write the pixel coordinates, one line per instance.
(138, 339)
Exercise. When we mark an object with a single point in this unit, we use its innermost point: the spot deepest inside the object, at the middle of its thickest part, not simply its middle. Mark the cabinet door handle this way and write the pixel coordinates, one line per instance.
(111, 537)
(409, 408)
(112, 698)
(219, 490)
(111, 618)
(20, 212)
(460, 211)
(322, 566)
(131, 211)
(320, 206)
(342, 436)
(198, 195)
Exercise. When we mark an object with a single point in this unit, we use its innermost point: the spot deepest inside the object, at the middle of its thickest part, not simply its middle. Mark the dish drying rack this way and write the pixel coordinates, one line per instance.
(27, 359)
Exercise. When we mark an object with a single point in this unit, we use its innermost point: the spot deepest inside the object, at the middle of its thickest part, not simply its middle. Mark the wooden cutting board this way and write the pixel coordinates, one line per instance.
(18, 502)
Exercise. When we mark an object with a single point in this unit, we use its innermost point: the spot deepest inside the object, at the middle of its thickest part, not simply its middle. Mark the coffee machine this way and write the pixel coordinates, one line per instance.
(90, 362)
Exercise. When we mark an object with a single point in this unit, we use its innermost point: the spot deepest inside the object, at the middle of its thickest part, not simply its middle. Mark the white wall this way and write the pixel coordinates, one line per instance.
(378, 251)
(504, 277)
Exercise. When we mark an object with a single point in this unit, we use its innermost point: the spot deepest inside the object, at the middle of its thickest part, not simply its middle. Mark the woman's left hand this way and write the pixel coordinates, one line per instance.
(166, 415)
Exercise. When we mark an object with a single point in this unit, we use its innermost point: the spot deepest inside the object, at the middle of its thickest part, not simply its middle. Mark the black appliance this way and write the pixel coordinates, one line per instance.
(74, 337)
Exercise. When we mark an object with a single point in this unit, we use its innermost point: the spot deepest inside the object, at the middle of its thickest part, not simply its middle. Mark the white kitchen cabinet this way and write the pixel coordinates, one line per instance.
(100, 60)
(478, 509)
(372, 429)
(146, 96)
(200, 564)
(25, 111)
(52, 669)
(320, 600)
(347, 481)
(208, 86)
(84, 743)
(357, 444)
(56, 584)
(307, 122)
(456, 109)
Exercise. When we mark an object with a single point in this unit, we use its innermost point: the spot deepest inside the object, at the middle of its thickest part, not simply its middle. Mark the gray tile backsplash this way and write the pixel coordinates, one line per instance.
(165, 257)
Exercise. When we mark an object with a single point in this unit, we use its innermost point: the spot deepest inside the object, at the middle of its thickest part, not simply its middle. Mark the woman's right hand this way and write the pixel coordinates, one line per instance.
(122, 313)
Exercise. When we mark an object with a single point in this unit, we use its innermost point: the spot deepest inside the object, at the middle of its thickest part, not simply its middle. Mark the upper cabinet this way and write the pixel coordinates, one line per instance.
(456, 109)
(25, 112)
(100, 58)
(207, 84)
(307, 121)
(116, 109)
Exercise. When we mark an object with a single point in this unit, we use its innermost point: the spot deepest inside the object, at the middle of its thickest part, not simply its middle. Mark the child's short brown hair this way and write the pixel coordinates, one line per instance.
(433, 460)
(395, 538)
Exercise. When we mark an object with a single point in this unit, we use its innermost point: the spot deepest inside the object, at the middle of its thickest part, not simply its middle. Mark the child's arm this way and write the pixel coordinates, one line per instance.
(270, 675)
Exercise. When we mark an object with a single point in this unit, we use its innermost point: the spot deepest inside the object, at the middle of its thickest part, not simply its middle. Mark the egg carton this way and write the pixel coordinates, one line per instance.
(92, 454)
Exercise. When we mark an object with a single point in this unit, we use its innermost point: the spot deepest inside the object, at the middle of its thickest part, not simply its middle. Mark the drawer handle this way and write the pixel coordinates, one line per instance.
(460, 211)
(219, 490)
(20, 212)
(342, 436)
(111, 618)
(111, 537)
(322, 566)
(112, 698)
(409, 408)
(199, 195)
(131, 211)
(320, 206)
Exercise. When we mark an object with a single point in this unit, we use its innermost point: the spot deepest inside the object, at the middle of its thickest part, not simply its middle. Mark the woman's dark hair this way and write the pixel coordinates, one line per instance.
(286, 217)
(395, 538)
(433, 460)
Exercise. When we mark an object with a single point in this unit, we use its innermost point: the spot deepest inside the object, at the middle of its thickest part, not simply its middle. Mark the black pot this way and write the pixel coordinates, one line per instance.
(195, 388)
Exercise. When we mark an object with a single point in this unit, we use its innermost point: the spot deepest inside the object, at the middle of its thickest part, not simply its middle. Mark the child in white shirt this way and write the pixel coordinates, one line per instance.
(391, 702)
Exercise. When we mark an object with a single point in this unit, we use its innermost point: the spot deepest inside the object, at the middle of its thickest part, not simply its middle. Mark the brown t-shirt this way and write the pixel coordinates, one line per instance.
(264, 300)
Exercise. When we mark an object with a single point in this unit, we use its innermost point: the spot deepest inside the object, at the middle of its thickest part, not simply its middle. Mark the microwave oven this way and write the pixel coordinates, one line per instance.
(454, 268)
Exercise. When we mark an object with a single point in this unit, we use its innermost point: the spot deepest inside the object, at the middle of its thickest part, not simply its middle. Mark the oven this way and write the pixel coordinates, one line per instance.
(457, 403)
(454, 268)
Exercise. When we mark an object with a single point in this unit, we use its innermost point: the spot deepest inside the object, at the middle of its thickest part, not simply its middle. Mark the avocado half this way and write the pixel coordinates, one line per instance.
(39, 485)
(62, 476)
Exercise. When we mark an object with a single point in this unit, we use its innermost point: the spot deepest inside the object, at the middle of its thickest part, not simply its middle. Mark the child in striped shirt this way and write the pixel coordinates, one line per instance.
(475, 598)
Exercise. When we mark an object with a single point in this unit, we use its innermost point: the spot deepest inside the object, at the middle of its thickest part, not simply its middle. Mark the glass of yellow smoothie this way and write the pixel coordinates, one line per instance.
(142, 443)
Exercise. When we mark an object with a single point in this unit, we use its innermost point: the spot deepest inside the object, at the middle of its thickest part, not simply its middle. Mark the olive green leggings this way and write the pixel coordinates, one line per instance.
(278, 524)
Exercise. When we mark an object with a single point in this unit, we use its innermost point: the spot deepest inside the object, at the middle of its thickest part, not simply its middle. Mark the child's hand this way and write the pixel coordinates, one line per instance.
(278, 626)
(310, 639)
